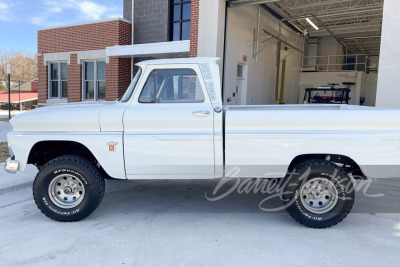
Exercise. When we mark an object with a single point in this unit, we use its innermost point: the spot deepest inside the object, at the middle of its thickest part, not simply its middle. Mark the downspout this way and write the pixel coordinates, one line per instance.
(133, 36)
(133, 21)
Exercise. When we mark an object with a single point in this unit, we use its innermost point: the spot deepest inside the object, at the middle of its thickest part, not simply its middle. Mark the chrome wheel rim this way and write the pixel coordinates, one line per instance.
(319, 195)
(66, 191)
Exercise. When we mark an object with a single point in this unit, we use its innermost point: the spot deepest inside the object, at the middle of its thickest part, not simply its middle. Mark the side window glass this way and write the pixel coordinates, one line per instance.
(172, 86)
(147, 95)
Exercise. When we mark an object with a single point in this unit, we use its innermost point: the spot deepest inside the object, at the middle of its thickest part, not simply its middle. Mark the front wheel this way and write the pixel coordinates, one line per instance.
(319, 194)
(68, 188)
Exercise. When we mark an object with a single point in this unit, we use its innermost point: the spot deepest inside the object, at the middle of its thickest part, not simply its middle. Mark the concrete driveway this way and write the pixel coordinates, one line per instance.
(170, 223)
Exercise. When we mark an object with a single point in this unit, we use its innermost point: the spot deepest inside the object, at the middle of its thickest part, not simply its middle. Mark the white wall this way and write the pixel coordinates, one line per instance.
(328, 46)
(389, 66)
(242, 22)
(211, 28)
(371, 81)
(312, 53)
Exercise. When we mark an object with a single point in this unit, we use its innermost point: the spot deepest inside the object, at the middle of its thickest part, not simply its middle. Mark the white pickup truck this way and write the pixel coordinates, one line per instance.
(171, 124)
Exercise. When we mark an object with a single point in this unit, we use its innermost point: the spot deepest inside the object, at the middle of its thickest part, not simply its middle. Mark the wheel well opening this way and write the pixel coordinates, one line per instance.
(43, 152)
(344, 162)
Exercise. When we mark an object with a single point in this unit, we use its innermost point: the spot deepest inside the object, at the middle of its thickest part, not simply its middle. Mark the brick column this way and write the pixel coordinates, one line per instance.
(194, 27)
(118, 77)
(124, 79)
(42, 81)
(112, 79)
(74, 79)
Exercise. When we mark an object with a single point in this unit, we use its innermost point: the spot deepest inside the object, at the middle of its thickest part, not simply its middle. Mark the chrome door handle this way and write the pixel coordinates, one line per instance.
(201, 113)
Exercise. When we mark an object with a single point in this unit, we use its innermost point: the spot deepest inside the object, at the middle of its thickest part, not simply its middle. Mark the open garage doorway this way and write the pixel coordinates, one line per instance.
(288, 46)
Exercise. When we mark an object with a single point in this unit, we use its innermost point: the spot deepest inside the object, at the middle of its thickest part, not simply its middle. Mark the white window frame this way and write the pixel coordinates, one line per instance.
(59, 80)
(96, 89)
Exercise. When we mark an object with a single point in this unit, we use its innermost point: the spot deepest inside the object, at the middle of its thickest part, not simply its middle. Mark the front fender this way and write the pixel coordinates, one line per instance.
(97, 142)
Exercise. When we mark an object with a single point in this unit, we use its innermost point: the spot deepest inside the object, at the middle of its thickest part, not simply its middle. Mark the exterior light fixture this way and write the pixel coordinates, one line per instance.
(312, 24)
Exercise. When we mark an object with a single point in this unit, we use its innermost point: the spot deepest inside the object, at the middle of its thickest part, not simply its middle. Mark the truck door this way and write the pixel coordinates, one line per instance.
(169, 128)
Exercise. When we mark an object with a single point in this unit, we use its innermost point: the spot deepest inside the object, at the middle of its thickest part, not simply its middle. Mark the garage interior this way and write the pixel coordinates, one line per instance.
(277, 49)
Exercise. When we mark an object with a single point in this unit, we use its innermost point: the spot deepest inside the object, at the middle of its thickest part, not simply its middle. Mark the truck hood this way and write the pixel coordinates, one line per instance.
(83, 117)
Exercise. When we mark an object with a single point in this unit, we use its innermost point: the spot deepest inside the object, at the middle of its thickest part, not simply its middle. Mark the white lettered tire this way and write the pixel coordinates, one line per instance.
(68, 188)
(318, 194)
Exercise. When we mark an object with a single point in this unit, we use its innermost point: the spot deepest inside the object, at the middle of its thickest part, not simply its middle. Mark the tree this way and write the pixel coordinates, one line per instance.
(23, 66)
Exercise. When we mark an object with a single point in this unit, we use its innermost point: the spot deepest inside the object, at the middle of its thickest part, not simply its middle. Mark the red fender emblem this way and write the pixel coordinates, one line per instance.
(112, 146)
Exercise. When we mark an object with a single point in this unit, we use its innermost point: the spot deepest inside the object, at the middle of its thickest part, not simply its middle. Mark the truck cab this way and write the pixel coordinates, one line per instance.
(173, 123)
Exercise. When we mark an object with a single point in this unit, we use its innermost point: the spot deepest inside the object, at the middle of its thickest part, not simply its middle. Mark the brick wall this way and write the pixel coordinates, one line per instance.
(42, 80)
(151, 21)
(84, 37)
(74, 79)
(34, 85)
(118, 77)
(194, 27)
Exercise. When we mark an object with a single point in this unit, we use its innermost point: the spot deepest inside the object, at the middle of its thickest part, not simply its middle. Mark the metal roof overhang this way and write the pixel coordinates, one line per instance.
(161, 50)
(238, 3)
(357, 24)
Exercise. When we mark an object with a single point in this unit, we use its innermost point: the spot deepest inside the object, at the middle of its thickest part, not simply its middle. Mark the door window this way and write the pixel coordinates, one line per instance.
(172, 86)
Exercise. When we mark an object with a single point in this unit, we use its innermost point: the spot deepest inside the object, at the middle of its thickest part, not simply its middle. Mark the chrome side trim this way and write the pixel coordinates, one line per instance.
(313, 135)
(327, 132)
(168, 133)
(67, 133)
(175, 136)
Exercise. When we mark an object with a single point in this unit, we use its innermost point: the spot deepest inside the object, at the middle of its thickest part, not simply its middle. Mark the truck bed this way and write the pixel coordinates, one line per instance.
(263, 140)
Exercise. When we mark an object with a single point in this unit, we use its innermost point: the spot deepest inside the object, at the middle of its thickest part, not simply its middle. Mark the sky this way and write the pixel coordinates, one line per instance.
(20, 19)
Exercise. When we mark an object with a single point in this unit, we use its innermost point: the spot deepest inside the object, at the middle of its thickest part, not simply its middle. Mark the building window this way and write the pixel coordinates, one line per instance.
(180, 19)
(94, 80)
(58, 76)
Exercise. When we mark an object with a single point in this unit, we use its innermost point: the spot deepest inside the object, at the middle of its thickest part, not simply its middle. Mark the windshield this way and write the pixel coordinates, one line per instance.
(131, 87)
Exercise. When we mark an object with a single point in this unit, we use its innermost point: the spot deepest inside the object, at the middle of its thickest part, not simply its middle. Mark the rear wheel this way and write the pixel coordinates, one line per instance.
(319, 194)
(68, 188)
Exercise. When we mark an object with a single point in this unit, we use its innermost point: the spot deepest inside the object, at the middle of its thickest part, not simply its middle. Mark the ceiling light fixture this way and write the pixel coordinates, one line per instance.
(312, 24)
